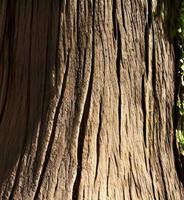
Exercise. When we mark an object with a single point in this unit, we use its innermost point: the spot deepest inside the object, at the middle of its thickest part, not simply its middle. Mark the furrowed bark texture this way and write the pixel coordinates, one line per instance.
(86, 101)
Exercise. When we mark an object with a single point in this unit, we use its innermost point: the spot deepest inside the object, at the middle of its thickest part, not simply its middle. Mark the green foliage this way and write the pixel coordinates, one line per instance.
(180, 140)
(180, 105)
(180, 102)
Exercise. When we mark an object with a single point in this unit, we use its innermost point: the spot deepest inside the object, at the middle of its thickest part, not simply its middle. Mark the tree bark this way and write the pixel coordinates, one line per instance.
(87, 101)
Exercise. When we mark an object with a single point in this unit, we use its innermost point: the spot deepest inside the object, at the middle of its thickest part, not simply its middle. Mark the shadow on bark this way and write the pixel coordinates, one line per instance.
(28, 59)
(179, 158)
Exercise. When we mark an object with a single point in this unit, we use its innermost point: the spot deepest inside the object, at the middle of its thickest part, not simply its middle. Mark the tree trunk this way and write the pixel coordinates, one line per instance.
(87, 101)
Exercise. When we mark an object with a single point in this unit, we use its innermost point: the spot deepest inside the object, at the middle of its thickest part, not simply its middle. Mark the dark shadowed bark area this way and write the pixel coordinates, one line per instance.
(87, 101)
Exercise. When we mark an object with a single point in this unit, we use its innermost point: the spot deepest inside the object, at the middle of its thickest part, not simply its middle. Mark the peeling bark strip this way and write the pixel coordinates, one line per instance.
(86, 101)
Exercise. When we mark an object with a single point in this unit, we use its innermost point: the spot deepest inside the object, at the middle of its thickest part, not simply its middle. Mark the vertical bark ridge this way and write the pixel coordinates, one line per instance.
(43, 148)
(153, 188)
(82, 133)
(87, 105)
(52, 136)
(59, 33)
(123, 16)
(42, 171)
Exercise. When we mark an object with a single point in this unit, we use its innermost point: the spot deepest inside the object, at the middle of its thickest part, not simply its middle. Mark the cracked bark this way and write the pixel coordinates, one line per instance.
(87, 101)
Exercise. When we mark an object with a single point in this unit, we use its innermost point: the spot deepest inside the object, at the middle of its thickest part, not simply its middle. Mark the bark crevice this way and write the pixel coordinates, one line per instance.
(53, 132)
(147, 48)
(98, 139)
(118, 73)
(144, 112)
(83, 126)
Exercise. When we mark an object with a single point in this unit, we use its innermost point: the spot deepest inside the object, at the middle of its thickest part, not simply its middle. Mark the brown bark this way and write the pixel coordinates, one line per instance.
(86, 101)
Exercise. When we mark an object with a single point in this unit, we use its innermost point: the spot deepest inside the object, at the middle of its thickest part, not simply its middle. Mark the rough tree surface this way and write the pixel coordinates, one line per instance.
(87, 101)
